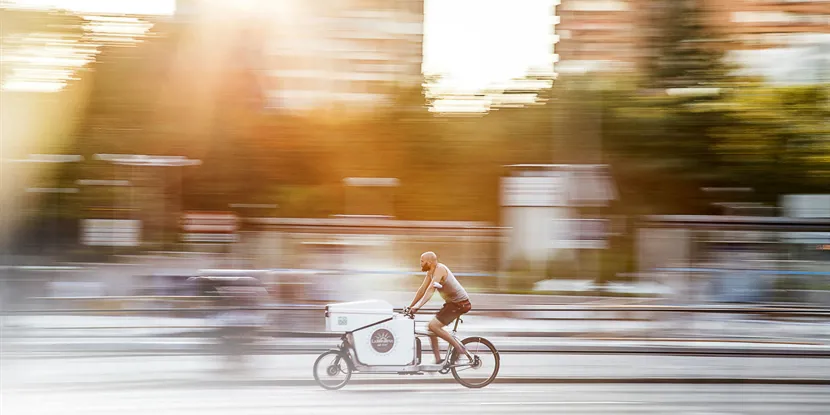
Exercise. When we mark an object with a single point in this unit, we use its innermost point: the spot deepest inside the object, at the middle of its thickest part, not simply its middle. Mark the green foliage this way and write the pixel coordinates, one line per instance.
(776, 138)
(686, 52)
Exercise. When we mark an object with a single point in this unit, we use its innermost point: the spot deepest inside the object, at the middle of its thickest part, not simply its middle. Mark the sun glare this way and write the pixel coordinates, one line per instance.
(134, 7)
(478, 48)
(46, 62)
(485, 45)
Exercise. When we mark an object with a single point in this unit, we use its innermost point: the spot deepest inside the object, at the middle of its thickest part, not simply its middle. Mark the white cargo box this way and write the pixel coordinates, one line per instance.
(343, 317)
(388, 344)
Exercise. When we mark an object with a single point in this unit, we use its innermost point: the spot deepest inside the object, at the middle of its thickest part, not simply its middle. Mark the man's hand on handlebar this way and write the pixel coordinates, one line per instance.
(409, 311)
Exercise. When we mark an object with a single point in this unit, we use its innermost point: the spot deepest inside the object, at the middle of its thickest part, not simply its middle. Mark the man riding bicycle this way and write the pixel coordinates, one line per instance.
(457, 302)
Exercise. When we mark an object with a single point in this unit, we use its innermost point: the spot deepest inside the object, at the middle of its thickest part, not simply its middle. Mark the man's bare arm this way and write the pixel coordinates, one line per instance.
(437, 277)
(421, 292)
(427, 296)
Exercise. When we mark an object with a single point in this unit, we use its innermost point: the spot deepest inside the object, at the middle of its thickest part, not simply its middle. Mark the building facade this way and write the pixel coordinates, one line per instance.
(786, 41)
(348, 52)
(597, 36)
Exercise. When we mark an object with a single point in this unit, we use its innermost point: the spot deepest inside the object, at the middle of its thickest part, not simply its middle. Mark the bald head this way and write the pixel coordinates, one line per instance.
(428, 261)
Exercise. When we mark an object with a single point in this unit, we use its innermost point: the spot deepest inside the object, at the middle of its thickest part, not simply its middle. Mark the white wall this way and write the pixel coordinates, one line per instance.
(532, 231)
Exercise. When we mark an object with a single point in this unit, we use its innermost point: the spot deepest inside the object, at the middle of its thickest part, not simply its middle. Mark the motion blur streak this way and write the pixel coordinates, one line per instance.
(633, 192)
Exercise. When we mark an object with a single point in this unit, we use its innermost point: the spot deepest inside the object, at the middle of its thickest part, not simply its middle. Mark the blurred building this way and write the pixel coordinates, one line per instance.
(761, 24)
(187, 9)
(342, 51)
(785, 41)
(598, 36)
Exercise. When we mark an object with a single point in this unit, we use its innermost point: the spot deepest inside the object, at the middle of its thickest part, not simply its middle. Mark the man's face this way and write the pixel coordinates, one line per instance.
(424, 265)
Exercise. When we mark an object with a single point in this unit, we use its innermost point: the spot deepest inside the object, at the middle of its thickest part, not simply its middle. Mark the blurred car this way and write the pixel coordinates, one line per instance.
(235, 299)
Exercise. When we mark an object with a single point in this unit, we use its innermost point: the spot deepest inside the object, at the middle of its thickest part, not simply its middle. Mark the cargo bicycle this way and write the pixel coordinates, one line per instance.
(371, 344)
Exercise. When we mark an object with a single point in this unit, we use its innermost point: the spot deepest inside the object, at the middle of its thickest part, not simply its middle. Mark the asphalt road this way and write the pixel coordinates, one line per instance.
(528, 384)
(434, 399)
(107, 373)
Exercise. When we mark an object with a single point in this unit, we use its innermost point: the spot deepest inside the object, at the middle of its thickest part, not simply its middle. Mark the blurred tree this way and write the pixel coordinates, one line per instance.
(684, 52)
(661, 142)
(776, 139)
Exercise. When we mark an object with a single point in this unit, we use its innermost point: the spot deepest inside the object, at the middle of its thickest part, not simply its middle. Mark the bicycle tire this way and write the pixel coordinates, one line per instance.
(348, 369)
(496, 367)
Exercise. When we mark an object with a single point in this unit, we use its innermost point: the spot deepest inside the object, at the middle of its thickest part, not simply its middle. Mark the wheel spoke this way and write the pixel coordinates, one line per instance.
(332, 370)
(483, 369)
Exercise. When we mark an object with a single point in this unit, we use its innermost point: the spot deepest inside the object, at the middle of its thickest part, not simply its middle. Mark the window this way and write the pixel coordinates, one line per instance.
(792, 1)
(604, 26)
(376, 67)
(595, 6)
(805, 39)
(603, 47)
(780, 18)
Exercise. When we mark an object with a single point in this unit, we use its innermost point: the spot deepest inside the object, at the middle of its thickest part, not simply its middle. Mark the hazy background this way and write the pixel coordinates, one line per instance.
(559, 156)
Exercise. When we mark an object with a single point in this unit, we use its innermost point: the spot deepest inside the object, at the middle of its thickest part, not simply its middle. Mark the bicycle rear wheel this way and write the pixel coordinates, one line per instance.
(484, 370)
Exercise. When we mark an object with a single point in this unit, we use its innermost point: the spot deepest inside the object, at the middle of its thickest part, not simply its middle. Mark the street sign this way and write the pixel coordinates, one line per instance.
(110, 232)
(806, 206)
(209, 227)
(545, 190)
(580, 233)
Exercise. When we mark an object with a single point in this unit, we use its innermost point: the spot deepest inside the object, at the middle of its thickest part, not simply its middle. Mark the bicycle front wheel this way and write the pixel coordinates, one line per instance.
(483, 370)
(332, 370)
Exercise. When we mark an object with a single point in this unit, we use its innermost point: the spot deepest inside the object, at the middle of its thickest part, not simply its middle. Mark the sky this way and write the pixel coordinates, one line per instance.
(473, 43)
(479, 42)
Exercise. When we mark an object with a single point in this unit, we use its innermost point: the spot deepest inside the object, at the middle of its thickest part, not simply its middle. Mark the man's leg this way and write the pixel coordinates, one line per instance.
(435, 350)
(437, 327)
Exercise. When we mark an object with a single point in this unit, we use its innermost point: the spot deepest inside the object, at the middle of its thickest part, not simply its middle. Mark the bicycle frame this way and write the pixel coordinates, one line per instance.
(446, 366)
(347, 351)
(347, 348)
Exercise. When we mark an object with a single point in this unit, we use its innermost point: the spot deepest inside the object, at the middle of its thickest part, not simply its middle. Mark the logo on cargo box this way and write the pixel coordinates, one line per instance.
(382, 341)
(342, 321)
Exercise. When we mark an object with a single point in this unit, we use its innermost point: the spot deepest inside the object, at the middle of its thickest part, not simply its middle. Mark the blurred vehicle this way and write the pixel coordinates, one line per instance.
(160, 284)
(238, 322)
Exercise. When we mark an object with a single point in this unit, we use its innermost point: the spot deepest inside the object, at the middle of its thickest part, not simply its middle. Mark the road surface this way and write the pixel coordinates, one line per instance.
(529, 384)
(419, 399)
(57, 372)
